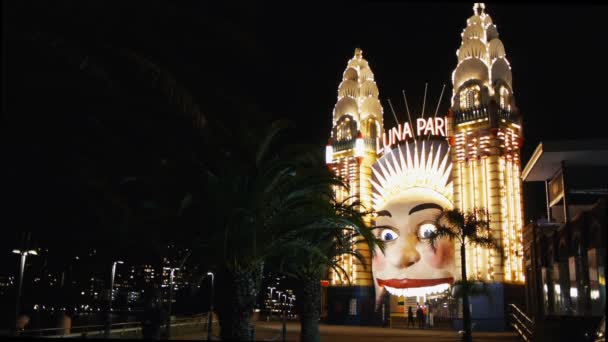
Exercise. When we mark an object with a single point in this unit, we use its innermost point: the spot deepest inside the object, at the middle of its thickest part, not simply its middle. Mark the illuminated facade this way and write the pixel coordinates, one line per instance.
(351, 151)
(485, 133)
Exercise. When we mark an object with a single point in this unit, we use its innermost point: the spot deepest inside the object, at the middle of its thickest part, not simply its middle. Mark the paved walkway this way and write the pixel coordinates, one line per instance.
(266, 331)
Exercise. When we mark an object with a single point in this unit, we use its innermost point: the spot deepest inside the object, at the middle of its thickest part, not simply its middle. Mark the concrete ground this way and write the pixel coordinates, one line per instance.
(271, 331)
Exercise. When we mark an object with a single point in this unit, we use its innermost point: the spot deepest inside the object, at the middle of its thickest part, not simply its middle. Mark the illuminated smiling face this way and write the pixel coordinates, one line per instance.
(409, 266)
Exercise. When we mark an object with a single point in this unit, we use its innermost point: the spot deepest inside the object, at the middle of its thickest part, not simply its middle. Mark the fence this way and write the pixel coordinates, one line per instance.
(179, 327)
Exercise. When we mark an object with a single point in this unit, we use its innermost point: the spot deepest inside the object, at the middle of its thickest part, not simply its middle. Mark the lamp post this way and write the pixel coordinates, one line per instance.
(171, 274)
(270, 288)
(24, 255)
(279, 298)
(210, 315)
(291, 304)
(109, 319)
(284, 318)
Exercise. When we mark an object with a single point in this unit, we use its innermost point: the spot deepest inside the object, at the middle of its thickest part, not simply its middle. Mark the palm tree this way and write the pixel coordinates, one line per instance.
(260, 199)
(468, 229)
(329, 235)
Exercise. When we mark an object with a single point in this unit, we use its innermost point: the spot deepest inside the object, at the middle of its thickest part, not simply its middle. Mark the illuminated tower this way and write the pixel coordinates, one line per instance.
(351, 150)
(486, 134)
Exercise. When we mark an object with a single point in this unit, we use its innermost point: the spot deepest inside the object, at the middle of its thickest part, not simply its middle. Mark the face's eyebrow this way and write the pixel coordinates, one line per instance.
(384, 213)
(424, 206)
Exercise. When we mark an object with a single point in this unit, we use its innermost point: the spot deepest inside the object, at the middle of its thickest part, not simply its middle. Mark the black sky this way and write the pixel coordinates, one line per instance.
(284, 59)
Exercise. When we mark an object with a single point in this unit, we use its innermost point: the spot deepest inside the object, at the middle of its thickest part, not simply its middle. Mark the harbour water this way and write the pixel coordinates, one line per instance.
(46, 320)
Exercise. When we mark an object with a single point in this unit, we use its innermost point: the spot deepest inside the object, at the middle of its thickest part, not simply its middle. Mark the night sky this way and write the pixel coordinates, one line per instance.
(265, 59)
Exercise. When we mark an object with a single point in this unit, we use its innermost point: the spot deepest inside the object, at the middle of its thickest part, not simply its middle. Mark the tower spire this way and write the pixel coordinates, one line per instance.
(358, 53)
(486, 132)
(351, 151)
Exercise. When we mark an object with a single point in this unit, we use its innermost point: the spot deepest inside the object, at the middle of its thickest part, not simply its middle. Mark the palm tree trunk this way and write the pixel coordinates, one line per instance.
(309, 304)
(466, 314)
(239, 302)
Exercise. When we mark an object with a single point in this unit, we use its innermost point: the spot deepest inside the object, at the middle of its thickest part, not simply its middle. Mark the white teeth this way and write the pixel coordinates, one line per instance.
(416, 291)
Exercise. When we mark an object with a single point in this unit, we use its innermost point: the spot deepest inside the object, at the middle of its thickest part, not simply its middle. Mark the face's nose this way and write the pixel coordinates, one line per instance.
(404, 253)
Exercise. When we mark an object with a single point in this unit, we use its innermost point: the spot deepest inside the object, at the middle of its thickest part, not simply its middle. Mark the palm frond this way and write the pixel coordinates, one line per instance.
(488, 243)
(442, 232)
(263, 147)
(160, 78)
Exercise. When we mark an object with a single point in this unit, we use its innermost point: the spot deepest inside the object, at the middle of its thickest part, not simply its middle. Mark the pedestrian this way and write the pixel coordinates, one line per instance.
(22, 321)
(152, 317)
(431, 323)
(419, 316)
(65, 324)
(424, 316)
(410, 317)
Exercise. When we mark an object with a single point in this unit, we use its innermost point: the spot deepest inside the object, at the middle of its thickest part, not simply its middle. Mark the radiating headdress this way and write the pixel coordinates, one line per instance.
(412, 165)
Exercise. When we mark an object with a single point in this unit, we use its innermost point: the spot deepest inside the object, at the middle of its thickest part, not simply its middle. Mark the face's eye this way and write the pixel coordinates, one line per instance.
(426, 230)
(388, 235)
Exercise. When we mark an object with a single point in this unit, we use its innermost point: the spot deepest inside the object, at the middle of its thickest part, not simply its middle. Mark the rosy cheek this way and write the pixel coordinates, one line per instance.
(443, 256)
(378, 261)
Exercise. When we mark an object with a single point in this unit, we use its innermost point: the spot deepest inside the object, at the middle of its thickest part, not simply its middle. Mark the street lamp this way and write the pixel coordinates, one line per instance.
(271, 288)
(291, 304)
(172, 271)
(109, 319)
(284, 318)
(210, 315)
(24, 255)
(279, 298)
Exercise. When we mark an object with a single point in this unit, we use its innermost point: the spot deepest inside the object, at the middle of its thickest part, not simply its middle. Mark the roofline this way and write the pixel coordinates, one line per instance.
(535, 156)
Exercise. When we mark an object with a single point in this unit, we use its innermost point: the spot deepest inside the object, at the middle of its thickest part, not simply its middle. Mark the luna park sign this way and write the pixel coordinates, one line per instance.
(432, 126)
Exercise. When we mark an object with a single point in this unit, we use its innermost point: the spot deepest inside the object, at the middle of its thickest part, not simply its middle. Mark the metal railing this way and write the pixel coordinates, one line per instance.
(470, 114)
(128, 329)
(343, 145)
(369, 143)
(507, 115)
(477, 113)
(523, 325)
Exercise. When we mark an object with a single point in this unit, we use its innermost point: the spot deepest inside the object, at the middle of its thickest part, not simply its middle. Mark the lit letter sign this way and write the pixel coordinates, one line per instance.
(407, 131)
(420, 125)
(440, 126)
(432, 126)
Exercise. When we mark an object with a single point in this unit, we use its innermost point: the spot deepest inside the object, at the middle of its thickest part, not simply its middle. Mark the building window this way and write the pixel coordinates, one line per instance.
(545, 274)
(574, 290)
(372, 129)
(505, 98)
(344, 131)
(352, 307)
(557, 290)
(597, 294)
(469, 97)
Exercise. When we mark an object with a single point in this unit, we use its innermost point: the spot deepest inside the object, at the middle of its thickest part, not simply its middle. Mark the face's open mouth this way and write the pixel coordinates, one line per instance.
(415, 287)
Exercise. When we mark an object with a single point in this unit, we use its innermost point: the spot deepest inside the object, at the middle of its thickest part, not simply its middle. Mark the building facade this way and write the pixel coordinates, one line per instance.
(486, 136)
(565, 251)
(468, 159)
(350, 153)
